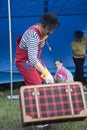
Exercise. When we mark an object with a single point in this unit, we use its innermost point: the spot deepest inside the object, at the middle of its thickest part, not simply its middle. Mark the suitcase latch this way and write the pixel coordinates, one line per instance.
(69, 90)
(35, 93)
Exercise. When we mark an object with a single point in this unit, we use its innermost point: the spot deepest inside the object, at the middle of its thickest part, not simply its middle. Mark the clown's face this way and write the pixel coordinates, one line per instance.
(48, 30)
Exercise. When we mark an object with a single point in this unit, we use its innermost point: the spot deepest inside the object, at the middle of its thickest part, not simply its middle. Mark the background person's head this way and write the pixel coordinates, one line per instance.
(58, 64)
(78, 35)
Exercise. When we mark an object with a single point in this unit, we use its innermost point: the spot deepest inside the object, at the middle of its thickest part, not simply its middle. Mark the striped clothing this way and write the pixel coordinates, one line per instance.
(30, 41)
(28, 51)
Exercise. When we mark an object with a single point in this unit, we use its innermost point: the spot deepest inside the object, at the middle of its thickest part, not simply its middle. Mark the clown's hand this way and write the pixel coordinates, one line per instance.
(46, 75)
(49, 79)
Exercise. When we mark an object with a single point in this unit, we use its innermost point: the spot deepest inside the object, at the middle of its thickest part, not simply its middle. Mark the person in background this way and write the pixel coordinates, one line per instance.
(78, 46)
(29, 47)
(62, 75)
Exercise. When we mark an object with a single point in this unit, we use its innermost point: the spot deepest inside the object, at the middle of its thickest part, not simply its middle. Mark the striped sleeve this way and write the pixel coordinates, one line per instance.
(30, 40)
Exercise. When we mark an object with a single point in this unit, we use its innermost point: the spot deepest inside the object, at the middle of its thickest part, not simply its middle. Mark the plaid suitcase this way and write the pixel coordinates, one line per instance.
(52, 103)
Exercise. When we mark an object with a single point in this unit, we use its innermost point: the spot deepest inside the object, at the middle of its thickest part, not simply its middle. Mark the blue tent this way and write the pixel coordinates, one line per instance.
(72, 15)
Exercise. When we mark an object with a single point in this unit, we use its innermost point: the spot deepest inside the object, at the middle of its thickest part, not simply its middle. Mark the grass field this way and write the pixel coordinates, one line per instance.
(10, 116)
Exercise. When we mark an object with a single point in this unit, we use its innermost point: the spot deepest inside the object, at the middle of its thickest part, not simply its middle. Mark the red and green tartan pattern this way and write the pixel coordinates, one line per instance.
(53, 101)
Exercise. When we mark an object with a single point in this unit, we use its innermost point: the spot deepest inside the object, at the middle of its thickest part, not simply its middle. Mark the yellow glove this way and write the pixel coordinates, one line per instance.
(45, 74)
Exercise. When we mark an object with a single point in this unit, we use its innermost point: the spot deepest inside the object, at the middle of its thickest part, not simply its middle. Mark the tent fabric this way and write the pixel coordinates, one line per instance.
(72, 15)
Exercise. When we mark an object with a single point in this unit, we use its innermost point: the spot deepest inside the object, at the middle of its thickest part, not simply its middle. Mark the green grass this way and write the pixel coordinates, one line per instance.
(10, 116)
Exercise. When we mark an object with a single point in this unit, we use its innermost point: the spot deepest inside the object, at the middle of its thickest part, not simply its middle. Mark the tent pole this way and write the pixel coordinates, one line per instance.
(45, 6)
(10, 44)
